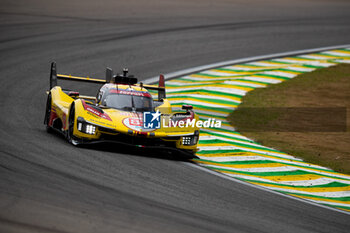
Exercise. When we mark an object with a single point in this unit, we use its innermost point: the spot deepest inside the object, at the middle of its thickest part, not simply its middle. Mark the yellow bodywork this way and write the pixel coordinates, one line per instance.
(115, 122)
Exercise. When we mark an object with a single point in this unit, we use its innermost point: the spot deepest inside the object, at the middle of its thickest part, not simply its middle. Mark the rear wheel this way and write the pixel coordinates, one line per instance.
(48, 113)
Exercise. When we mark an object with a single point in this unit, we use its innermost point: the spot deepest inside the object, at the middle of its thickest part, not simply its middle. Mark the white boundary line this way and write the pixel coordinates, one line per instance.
(263, 188)
(238, 61)
(245, 60)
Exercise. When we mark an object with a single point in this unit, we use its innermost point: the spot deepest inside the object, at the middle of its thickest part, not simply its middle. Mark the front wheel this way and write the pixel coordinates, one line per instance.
(71, 125)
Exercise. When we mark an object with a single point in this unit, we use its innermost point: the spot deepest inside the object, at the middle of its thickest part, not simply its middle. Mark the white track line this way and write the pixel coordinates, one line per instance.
(222, 175)
(239, 61)
(245, 60)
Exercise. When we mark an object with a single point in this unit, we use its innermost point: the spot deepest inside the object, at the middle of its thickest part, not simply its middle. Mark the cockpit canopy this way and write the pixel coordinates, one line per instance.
(127, 100)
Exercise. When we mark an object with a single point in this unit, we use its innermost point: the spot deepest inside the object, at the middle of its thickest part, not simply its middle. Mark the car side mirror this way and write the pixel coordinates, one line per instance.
(187, 107)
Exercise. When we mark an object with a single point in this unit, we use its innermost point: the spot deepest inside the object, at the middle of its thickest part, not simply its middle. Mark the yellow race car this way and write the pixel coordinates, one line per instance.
(123, 111)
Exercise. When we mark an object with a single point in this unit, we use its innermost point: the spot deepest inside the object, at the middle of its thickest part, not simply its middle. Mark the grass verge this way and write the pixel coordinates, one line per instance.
(307, 116)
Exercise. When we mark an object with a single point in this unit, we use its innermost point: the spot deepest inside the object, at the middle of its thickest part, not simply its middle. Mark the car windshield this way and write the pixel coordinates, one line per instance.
(128, 102)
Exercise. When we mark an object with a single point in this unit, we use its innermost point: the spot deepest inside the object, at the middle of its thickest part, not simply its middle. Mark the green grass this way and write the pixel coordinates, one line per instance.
(261, 116)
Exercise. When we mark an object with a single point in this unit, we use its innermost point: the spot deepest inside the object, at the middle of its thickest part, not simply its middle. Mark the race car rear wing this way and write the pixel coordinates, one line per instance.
(110, 78)
(160, 88)
(54, 76)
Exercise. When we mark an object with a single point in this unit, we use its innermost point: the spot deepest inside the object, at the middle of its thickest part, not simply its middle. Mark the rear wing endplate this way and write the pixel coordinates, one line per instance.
(160, 88)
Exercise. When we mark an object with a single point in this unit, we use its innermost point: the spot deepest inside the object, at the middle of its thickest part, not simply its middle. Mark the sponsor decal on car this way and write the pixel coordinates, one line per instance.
(136, 124)
(95, 112)
(130, 92)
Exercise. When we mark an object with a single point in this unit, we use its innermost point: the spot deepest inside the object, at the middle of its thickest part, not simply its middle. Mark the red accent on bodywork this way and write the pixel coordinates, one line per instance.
(186, 118)
(161, 82)
(135, 121)
(53, 116)
(125, 92)
(188, 106)
(95, 111)
(63, 120)
(141, 133)
(73, 93)
(190, 117)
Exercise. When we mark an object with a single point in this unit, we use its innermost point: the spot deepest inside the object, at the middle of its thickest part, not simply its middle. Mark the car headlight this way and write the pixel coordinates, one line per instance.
(187, 140)
(191, 140)
(86, 128)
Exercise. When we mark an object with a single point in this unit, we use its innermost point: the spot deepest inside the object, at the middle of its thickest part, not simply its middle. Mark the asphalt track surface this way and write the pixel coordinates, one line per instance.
(48, 185)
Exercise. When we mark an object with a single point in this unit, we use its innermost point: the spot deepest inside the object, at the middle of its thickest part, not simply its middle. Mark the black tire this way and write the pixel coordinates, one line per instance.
(71, 125)
(48, 113)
